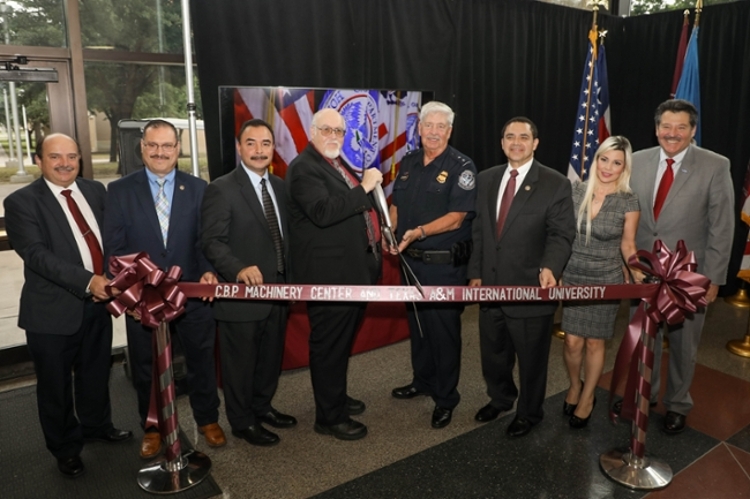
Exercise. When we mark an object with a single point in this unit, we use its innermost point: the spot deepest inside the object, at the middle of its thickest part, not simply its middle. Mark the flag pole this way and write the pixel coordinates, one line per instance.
(698, 10)
(392, 169)
(594, 45)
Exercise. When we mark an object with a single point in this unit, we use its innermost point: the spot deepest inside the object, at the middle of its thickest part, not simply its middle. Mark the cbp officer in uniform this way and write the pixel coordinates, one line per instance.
(433, 205)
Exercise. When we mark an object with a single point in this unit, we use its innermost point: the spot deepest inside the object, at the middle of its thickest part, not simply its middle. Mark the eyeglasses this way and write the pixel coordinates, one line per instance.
(152, 146)
(325, 131)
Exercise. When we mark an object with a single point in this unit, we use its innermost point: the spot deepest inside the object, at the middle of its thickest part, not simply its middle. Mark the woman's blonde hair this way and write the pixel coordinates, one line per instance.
(613, 143)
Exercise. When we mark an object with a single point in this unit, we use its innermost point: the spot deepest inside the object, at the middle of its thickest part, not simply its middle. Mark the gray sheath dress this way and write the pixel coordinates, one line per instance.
(599, 262)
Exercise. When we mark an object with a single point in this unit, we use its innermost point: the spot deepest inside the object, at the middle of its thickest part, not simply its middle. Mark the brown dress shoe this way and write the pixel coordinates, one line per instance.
(213, 434)
(151, 444)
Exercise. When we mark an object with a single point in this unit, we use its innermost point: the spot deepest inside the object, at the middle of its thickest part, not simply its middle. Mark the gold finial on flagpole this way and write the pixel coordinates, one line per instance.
(594, 4)
(698, 10)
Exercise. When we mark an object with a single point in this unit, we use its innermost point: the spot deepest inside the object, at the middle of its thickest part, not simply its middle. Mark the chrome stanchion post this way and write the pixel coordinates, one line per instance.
(633, 468)
(175, 471)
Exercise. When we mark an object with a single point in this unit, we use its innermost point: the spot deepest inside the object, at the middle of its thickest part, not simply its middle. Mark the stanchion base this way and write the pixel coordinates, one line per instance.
(157, 479)
(740, 347)
(739, 299)
(557, 331)
(636, 473)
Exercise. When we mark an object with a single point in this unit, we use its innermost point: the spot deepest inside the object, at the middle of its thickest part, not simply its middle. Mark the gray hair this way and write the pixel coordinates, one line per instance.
(437, 107)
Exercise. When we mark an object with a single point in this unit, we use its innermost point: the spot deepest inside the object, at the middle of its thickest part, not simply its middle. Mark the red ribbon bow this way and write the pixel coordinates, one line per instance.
(681, 290)
(145, 289)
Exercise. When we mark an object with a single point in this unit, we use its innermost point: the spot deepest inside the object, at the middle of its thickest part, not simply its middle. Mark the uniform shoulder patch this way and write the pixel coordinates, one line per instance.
(467, 180)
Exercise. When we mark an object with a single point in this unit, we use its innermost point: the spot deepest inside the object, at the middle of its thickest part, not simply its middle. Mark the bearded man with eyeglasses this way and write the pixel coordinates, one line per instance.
(158, 210)
(334, 239)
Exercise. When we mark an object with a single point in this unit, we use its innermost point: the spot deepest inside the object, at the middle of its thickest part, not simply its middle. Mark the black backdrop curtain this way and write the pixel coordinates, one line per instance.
(488, 59)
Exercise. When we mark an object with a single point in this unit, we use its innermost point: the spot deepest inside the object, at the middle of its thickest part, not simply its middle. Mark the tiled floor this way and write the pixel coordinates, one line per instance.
(402, 457)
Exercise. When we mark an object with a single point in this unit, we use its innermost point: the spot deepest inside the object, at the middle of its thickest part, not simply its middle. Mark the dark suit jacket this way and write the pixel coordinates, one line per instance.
(236, 235)
(538, 233)
(54, 290)
(131, 225)
(327, 232)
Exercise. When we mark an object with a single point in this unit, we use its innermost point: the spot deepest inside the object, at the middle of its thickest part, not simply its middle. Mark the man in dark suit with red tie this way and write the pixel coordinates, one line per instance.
(157, 210)
(522, 236)
(334, 239)
(245, 237)
(53, 224)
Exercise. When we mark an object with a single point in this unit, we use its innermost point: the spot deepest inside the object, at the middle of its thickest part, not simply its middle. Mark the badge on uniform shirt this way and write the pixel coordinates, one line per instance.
(467, 180)
(404, 177)
(442, 177)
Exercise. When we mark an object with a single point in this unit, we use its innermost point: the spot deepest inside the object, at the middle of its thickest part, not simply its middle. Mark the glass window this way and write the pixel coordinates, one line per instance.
(121, 91)
(132, 25)
(33, 22)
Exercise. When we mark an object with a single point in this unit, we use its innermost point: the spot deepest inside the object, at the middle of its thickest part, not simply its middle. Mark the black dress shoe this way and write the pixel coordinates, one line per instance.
(348, 430)
(70, 467)
(569, 409)
(112, 436)
(441, 417)
(278, 420)
(674, 423)
(519, 427)
(407, 392)
(487, 413)
(257, 435)
(578, 423)
(617, 406)
(354, 407)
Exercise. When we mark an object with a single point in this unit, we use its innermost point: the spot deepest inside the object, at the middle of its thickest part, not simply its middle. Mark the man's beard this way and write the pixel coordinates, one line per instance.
(332, 154)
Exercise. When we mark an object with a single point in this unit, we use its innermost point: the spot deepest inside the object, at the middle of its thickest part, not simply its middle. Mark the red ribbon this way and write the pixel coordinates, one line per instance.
(681, 291)
(145, 289)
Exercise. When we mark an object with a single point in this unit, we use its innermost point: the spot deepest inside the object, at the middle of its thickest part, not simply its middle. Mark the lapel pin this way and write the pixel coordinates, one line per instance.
(527, 188)
(182, 187)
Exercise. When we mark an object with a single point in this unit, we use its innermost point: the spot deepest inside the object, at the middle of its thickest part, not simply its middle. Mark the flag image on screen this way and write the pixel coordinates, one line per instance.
(381, 124)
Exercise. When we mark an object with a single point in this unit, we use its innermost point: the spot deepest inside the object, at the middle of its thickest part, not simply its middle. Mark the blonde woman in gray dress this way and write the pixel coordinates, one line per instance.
(607, 214)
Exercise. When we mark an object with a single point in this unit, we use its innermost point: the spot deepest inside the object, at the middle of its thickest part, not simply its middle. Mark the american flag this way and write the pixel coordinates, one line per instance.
(288, 111)
(592, 119)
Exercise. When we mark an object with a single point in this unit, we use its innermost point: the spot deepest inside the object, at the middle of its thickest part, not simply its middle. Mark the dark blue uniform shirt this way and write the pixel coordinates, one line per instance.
(425, 193)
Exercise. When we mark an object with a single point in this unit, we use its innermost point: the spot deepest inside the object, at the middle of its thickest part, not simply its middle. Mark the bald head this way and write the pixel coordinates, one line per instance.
(58, 158)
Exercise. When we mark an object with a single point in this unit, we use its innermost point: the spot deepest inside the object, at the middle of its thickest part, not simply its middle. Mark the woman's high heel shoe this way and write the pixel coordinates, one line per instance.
(578, 423)
(569, 409)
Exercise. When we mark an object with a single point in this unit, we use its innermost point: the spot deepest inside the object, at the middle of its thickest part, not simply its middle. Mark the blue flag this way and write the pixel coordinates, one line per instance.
(689, 87)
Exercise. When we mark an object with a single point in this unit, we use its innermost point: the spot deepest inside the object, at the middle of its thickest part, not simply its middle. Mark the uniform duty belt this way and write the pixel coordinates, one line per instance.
(436, 257)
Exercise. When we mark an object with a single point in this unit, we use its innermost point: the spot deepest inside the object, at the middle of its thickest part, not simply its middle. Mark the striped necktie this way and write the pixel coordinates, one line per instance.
(162, 210)
(273, 225)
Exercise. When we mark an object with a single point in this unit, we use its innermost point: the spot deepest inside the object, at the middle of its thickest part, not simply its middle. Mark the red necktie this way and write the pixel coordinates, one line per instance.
(371, 219)
(91, 241)
(664, 185)
(508, 193)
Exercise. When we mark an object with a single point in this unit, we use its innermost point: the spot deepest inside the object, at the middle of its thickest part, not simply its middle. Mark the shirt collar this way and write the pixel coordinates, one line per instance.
(57, 189)
(677, 157)
(169, 177)
(523, 169)
(254, 177)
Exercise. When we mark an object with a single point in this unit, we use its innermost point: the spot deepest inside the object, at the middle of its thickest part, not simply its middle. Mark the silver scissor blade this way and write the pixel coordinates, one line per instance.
(411, 276)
